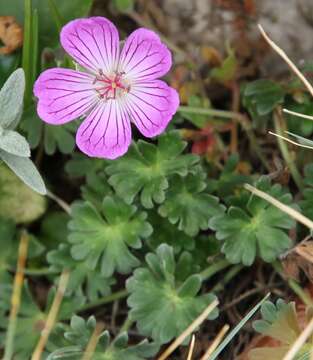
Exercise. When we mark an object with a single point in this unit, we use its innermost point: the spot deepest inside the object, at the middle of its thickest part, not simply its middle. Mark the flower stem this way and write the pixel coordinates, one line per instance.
(211, 112)
(231, 273)
(126, 325)
(299, 291)
(16, 295)
(278, 122)
(37, 272)
(190, 329)
(214, 268)
(306, 299)
(105, 300)
(52, 316)
(66, 207)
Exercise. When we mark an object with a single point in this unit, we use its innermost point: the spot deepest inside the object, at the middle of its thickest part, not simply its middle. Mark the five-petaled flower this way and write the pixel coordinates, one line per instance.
(117, 87)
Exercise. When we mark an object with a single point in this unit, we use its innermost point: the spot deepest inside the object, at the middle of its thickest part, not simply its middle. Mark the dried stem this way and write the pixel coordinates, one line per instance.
(284, 56)
(191, 347)
(278, 119)
(93, 341)
(290, 141)
(219, 337)
(66, 207)
(304, 116)
(283, 207)
(51, 318)
(105, 300)
(297, 345)
(294, 286)
(16, 295)
(197, 322)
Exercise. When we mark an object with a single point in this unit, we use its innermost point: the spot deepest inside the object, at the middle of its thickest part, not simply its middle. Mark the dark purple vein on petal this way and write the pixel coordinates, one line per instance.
(88, 63)
(147, 103)
(83, 106)
(130, 105)
(125, 118)
(107, 124)
(151, 94)
(132, 55)
(96, 111)
(104, 41)
(83, 42)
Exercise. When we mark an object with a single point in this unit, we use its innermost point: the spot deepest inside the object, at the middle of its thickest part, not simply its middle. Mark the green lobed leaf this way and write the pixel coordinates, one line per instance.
(107, 236)
(11, 99)
(31, 316)
(161, 303)
(146, 169)
(187, 197)
(54, 137)
(106, 349)
(96, 188)
(53, 228)
(59, 137)
(229, 179)
(91, 282)
(262, 96)
(280, 322)
(168, 233)
(81, 165)
(257, 230)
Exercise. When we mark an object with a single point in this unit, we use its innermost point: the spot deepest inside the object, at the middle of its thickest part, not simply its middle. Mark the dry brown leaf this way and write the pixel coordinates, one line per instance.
(244, 168)
(300, 257)
(211, 55)
(259, 341)
(11, 34)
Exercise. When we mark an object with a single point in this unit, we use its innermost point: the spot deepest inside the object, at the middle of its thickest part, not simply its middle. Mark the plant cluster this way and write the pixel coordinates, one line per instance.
(147, 241)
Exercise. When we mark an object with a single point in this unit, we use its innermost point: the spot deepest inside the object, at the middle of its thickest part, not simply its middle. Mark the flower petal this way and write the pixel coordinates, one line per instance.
(93, 43)
(64, 95)
(151, 106)
(144, 57)
(106, 132)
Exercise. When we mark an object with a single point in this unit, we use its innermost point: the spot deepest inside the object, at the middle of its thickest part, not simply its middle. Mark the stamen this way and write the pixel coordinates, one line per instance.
(110, 87)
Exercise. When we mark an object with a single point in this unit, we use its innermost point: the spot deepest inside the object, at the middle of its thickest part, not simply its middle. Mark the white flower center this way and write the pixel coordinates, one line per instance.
(111, 86)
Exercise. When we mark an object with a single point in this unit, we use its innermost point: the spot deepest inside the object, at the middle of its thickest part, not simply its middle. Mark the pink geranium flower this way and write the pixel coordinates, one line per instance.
(117, 87)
